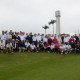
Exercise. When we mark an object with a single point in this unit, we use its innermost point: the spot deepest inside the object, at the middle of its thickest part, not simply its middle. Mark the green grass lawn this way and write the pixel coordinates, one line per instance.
(39, 66)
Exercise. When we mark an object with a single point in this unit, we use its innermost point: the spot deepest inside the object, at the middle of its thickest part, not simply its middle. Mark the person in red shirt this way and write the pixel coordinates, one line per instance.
(56, 47)
(72, 42)
(47, 47)
(55, 40)
(49, 40)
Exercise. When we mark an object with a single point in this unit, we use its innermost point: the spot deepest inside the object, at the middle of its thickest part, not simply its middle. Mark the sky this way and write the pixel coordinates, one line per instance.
(32, 15)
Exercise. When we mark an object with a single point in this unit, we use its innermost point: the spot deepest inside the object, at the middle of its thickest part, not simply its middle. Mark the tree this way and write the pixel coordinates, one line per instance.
(45, 27)
(52, 22)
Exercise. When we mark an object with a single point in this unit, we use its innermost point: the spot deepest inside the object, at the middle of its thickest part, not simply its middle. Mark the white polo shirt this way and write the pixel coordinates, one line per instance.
(66, 39)
(68, 46)
(45, 39)
(52, 46)
(3, 37)
(32, 46)
(27, 44)
(34, 38)
(38, 38)
(22, 37)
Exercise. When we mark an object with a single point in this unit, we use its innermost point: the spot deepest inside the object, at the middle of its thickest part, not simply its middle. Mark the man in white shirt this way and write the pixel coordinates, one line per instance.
(9, 47)
(3, 37)
(45, 39)
(38, 38)
(33, 47)
(66, 39)
(2, 47)
(34, 39)
(22, 41)
(27, 45)
(22, 36)
(52, 47)
(62, 48)
(68, 48)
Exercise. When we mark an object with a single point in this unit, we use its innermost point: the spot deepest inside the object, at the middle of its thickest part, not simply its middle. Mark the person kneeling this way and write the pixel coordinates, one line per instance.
(63, 48)
(33, 48)
(9, 48)
(47, 47)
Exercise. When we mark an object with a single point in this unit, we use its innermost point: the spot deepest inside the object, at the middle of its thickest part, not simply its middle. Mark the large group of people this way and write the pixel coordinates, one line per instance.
(27, 42)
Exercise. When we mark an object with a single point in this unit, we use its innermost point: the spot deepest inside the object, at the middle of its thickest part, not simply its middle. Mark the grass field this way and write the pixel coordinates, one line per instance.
(39, 66)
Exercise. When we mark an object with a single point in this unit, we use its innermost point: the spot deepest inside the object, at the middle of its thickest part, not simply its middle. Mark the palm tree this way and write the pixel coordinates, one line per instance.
(45, 27)
(52, 22)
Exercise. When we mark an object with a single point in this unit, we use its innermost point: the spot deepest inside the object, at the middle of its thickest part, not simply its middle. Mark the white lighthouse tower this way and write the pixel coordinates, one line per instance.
(57, 15)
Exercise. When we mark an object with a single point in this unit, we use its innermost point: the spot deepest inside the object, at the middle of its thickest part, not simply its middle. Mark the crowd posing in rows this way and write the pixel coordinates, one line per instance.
(27, 42)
